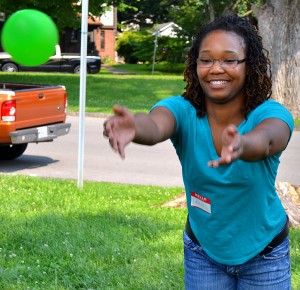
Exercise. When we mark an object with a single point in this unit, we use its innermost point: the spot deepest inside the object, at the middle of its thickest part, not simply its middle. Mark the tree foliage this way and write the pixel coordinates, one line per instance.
(138, 46)
(141, 11)
(63, 12)
(188, 14)
(135, 46)
(194, 13)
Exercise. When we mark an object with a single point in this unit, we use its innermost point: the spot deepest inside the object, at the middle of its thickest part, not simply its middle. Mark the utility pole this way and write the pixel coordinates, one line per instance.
(154, 52)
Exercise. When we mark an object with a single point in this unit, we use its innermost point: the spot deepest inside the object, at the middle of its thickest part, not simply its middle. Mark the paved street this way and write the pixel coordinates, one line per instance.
(157, 165)
(143, 165)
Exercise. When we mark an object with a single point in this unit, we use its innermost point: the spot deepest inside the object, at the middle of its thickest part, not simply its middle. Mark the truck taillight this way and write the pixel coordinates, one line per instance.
(8, 111)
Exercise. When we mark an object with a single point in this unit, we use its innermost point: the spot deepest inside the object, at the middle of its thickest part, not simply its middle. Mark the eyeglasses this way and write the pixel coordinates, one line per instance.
(226, 63)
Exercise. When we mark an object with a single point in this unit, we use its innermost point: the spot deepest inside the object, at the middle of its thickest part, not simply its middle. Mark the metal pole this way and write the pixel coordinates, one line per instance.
(83, 52)
(154, 52)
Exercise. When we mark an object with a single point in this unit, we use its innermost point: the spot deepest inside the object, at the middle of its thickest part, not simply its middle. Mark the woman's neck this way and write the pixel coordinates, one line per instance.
(225, 114)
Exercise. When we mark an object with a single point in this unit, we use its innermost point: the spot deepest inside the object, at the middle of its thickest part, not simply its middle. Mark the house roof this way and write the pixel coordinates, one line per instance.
(92, 20)
(167, 29)
(163, 26)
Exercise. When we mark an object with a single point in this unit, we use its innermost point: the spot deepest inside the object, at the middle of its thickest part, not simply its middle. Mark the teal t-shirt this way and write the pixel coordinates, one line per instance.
(234, 210)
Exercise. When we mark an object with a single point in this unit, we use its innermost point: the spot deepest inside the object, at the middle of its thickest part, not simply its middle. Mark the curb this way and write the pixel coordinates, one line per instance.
(92, 115)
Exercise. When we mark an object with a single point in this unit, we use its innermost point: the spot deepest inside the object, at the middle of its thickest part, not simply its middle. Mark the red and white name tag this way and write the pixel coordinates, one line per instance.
(201, 202)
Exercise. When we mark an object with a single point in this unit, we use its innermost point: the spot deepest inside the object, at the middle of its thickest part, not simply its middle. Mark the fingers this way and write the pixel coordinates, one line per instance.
(113, 143)
(232, 129)
(117, 147)
(121, 151)
(121, 111)
(117, 129)
(227, 157)
(109, 124)
(228, 134)
(221, 161)
(108, 129)
(108, 132)
(231, 147)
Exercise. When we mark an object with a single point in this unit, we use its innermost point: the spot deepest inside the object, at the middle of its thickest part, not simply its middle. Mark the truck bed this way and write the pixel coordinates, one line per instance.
(21, 86)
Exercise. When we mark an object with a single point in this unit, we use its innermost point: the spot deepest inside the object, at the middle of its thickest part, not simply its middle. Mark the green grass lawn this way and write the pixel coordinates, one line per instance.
(104, 236)
(138, 92)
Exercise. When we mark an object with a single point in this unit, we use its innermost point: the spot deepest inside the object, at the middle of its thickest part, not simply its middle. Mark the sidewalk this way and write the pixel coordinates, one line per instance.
(116, 70)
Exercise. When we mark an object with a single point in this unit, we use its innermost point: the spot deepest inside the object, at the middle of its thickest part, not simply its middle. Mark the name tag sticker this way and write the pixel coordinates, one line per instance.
(201, 202)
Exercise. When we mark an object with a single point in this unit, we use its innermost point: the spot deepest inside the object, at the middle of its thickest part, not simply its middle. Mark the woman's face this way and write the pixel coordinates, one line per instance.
(222, 84)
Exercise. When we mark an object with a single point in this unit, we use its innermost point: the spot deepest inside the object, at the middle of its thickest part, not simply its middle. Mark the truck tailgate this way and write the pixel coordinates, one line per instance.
(38, 107)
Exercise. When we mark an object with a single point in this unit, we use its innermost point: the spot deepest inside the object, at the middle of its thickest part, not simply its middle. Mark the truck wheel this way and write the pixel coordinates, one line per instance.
(77, 69)
(9, 152)
(10, 67)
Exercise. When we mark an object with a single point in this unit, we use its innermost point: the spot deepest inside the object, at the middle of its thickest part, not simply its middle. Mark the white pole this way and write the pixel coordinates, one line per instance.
(83, 52)
(154, 52)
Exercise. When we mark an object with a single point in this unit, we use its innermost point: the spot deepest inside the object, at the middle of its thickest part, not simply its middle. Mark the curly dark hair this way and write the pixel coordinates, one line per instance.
(258, 85)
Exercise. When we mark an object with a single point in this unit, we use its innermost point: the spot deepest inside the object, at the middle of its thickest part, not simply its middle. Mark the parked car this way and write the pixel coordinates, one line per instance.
(60, 62)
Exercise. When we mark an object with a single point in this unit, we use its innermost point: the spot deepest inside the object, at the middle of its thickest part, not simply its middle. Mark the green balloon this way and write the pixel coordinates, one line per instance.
(29, 36)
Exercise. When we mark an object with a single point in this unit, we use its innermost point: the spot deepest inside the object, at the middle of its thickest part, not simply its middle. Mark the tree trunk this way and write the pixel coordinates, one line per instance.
(211, 10)
(279, 26)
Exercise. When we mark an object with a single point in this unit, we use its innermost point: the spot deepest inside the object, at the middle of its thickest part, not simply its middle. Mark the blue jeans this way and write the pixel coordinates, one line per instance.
(269, 272)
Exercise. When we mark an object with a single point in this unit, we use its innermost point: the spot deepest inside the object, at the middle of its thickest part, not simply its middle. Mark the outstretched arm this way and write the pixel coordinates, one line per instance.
(148, 129)
(268, 138)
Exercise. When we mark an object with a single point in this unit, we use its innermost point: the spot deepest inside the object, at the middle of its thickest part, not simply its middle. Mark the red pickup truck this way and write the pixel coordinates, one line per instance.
(30, 113)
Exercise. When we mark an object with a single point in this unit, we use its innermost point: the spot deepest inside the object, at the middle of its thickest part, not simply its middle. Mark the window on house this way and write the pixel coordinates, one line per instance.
(102, 40)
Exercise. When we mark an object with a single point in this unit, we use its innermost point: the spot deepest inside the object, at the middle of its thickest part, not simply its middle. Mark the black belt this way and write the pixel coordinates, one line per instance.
(268, 249)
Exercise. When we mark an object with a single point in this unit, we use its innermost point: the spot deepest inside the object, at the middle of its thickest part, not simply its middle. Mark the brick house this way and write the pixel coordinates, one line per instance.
(101, 36)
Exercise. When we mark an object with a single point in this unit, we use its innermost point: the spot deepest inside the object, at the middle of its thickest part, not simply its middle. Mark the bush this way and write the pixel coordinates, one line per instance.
(138, 46)
(172, 50)
(135, 46)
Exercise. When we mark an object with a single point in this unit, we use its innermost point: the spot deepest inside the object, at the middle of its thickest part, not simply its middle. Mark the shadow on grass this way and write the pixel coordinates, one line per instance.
(107, 250)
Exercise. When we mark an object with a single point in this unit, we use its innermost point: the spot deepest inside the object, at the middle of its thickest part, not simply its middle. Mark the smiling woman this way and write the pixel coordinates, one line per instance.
(221, 68)
(228, 137)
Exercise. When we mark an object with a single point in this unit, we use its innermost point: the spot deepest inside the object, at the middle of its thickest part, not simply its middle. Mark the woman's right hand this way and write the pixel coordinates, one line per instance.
(120, 129)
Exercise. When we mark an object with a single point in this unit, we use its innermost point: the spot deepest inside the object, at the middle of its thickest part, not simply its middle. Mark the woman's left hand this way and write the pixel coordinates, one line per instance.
(232, 147)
